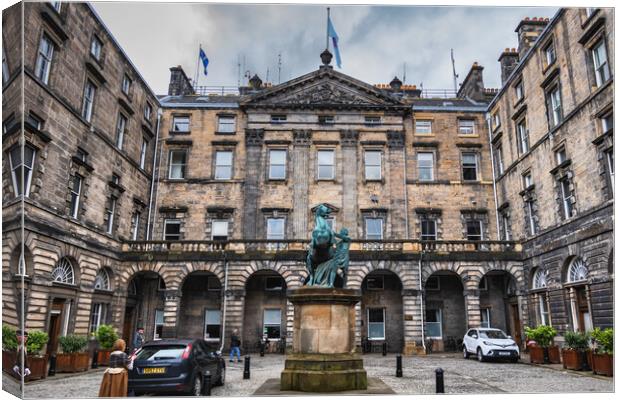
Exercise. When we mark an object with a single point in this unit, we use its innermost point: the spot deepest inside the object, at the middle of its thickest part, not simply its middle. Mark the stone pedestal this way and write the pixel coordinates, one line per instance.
(323, 357)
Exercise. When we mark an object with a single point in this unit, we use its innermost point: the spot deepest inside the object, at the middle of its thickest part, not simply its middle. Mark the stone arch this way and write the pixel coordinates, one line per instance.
(452, 266)
(292, 279)
(514, 270)
(403, 271)
(217, 268)
(132, 270)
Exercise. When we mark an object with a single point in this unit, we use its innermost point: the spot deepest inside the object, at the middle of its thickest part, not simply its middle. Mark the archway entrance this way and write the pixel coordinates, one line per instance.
(144, 307)
(200, 312)
(499, 307)
(445, 320)
(382, 311)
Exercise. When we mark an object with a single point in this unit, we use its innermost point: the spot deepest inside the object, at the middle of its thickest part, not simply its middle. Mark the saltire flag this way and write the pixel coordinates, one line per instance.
(331, 32)
(204, 60)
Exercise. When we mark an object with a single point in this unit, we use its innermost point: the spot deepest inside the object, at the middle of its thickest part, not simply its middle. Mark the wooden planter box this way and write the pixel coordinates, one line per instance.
(554, 355)
(537, 354)
(71, 362)
(574, 359)
(103, 357)
(603, 364)
(37, 364)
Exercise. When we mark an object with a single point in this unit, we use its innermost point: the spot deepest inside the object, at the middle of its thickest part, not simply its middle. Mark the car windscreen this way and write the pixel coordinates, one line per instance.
(155, 353)
(493, 335)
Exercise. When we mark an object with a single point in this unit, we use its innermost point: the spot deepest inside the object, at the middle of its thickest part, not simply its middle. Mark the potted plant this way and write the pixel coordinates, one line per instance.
(574, 353)
(543, 352)
(9, 348)
(106, 336)
(603, 354)
(37, 361)
(73, 357)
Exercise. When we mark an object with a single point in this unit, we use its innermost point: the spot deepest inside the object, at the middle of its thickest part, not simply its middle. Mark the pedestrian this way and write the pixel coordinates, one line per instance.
(114, 382)
(235, 343)
(138, 339)
(19, 368)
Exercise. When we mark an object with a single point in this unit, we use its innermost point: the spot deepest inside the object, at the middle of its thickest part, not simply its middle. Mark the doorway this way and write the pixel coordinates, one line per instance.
(55, 325)
(515, 326)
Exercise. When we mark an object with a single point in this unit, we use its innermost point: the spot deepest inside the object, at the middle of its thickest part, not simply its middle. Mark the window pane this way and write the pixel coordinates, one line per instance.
(474, 230)
(422, 126)
(326, 157)
(375, 315)
(219, 228)
(374, 228)
(326, 172)
(466, 127)
(226, 124)
(275, 228)
(180, 124)
(272, 317)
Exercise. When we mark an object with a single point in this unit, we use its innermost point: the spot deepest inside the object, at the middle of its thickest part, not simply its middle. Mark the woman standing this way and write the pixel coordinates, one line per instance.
(114, 383)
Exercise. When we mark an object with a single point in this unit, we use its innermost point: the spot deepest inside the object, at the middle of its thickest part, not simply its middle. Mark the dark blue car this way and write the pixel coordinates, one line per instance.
(174, 366)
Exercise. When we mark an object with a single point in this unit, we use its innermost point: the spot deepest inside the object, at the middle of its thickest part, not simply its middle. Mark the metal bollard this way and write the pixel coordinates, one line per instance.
(52, 370)
(439, 381)
(262, 349)
(584, 361)
(206, 385)
(384, 348)
(246, 368)
(95, 364)
(399, 366)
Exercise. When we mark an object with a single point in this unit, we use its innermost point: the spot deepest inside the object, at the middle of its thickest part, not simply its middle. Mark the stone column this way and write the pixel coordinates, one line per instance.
(472, 307)
(300, 179)
(253, 173)
(235, 302)
(394, 171)
(412, 322)
(171, 309)
(348, 141)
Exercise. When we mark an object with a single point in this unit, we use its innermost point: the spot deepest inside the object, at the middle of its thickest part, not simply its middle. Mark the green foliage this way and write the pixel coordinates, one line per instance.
(543, 334)
(106, 336)
(36, 342)
(576, 340)
(603, 340)
(9, 339)
(73, 343)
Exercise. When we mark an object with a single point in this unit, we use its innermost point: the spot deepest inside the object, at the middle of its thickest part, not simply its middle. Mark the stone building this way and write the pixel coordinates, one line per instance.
(211, 197)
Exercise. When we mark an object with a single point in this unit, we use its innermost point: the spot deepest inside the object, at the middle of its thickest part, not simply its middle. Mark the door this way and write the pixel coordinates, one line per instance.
(128, 326)
(583, 311)
(54, 326)
(515, 331)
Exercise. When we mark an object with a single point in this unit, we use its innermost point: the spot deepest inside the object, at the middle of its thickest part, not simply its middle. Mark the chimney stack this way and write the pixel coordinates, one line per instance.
(473, 85)
(180, 84)
(528, 31)
(508, 61)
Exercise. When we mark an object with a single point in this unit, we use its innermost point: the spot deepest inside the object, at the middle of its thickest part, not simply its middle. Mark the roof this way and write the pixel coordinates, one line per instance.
(456, 104)
(200, 101)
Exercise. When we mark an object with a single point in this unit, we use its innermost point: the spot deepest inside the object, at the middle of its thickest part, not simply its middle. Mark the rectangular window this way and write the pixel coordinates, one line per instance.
(34, 121)
(485, 317)
(274, 283)
(432, 327)
(466, 127)
(424, 127)
(97, 316)
(428, 229)
(219, 230)
(116, 179)
(543, 310)
(159, 325)
(223, 164)
(527, 180)
(371, 120)
(21, 170)
(425, 166)
(226, 124)
(110, 210)
(609, 157)
(44, 59)
(325, 164)
(143, 149)
(213, 324)
(277, 164)
(95, 48)
(177, 161)
(432, 283)
(275, 228)
(530, 217)
(172, 229)
(607, 122)
(554, 105)
(326, 119)
(372, 165)
(601, 65)
(590, 11)
(549, 52)
(474, 230)
(148, 109)
(470, 166)
(496, 120)
(278, 118)
(560, 155)
(374, 229)
(272, 319)
(56, 5)
(81, 155)
(523, 140)
(5, 67)
(121, 125)
(88, 101)
(567, 205)
(213, 283)
(76, 189)
(519, 91)
(505, 227)
(126, 84)
(180, 124)
(374, 282)
(376, 324)
(135, 225)
(499, 160)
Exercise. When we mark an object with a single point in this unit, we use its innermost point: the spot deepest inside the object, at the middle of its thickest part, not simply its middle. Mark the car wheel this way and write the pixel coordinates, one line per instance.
(465, 353)
(222, 378)
(197, 387)
(479, 354)
(514, 360)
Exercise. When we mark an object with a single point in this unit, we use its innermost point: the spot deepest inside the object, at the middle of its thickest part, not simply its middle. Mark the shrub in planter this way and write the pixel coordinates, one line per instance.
(106, 336)
(9, 348)
(543, 351)
(603, 354)
(37, 361)
(73, 357)
(574, 353)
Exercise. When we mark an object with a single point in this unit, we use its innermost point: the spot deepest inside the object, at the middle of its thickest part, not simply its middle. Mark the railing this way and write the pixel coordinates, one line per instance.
(217, 90)
(438, 93)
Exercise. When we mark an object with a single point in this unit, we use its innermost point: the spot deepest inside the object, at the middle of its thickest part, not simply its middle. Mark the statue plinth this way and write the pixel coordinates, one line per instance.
(323, 357)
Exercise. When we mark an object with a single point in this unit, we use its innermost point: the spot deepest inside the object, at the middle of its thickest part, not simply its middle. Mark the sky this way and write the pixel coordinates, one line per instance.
(376, 42)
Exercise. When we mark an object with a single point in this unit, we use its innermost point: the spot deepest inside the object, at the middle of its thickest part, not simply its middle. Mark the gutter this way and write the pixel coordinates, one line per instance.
(488, 118)
(148, 221)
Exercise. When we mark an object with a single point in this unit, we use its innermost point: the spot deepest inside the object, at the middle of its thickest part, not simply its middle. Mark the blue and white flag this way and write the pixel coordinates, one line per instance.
(331, 32)
(204, 60)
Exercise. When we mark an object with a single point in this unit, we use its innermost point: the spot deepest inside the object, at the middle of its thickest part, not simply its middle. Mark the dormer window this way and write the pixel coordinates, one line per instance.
(327, 119)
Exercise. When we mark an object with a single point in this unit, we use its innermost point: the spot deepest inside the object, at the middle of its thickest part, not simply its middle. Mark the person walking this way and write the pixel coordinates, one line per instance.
(114, 382)
(235, 343)
(138, 339)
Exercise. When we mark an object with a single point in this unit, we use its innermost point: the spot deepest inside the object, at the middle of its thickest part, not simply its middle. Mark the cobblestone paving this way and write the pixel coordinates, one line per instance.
(461, 376)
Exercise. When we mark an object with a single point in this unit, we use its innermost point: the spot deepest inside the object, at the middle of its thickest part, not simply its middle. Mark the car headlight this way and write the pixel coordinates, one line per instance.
(487, 343)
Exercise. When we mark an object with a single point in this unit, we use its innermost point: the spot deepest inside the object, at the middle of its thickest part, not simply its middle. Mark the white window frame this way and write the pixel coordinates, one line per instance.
(219, 222)
(550, 55)
(135, 225)
(485, 311)
(110, 213)
(121, 126)
(226, 124)
(96, 45)
(156, 324)
(327, 119)
(434, 224)
(543, 310)
(64, 272)
(99, 312)
(479, 226)
(519, 91)
(601, 66)
(421, 167)
(530, 217)
(469, 165)
(180, 120)
(366, 220)
(75, 195)
(90, 90)
(277, 118)
(266, 325)
(577, 271)
(382, 323)
(44, 59)
(332, 166)
(560, 155)
(506, 227)
(171, 221)
(522, 137)
(499, 159)
(148, 110)
(465, 129)
(273, 235)
(56, 5)
(126, 84)
(172, 165)
(368, 166)
(372, 120)
(527, 180)
(424, 126)
(607, 122)
(567, 206)
(272, 175)
(25, 190)
(440, 322)
(207, 324)
(609, 159)
(555, 102)
(223, 171)
(143, 150)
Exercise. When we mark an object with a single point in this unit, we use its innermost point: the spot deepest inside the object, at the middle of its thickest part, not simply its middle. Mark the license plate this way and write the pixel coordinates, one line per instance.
(504, 353)
(160, 370)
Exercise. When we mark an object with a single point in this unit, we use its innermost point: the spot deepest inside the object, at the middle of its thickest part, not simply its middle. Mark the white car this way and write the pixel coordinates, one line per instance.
(487, 343)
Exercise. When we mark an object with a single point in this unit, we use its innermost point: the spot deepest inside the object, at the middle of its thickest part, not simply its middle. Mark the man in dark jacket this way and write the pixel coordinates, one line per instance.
(138, 339)
(235, 343)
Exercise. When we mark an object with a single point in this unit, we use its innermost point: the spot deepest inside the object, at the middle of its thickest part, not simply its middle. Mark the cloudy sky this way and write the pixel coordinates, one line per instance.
(375, 41)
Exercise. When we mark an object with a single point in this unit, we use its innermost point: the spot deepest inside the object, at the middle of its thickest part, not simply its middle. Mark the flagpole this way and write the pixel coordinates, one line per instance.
(197, 66)
(327, 32)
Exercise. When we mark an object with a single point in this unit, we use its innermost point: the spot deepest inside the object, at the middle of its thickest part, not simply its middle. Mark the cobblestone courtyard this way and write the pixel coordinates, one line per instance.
(461, 376)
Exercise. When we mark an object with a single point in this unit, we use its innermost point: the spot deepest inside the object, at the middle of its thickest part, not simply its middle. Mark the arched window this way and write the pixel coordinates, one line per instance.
(102, 280)
(577, 270)
(540, 279)
(63, 272)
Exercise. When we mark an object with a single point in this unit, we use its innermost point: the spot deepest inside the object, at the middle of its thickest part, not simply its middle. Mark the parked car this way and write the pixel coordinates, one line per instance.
(175, 366)
(488, 343)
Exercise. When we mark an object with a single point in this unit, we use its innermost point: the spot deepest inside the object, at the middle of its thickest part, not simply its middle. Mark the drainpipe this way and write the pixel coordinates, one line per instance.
(421, 300)
(488, 118)
(225, 297)
(148, 221)
(405, 188)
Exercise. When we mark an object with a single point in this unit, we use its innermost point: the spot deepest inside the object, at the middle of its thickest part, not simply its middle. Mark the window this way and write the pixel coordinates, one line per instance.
(172, 229)
(485, 317)
(527, 180)
(484, 283)
(5, 67)
(277, 164)
(63, 272)
(609, 157)
(554, 106)
(371, 120)
(116, 179)
(543, 310)
(577, 270)
(423, 126)
(148, 109)
(213, 324)
(499, 160)
(374, 228)
(425, 166)
(523, 140)
(272, 319)
(76, 189)
(432, 283)
(567, 205)
(470, 166)
(549, 51)
(560, 155)
(110, 214)
(21, 170)
(143, 149)
(278, 118)
(376, 324)
(274, 283)
(159, 325)
(474, 230)
(34, 121)
(601, 66)
(326, 119)
(519, 91)
(374, 282)
(177, 161)
(97, 316)
(590, 11)
(8, 123)
(219, 230)
(428, 229)
(135, 225)
(466, 127)
(95, 48)
(81, 154)
(121, 125)
(226, 124)
(607, 122)
(56, 5)
(223, 165)
(275, 228)
(180, 124)
(372, 165)
(432, 327)
(102, 280)
(529, 205)
(505, 227)
(88, 101)
(44, 59)
(325, 164)
(126, 84)
(213, 283)
(496, 120)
